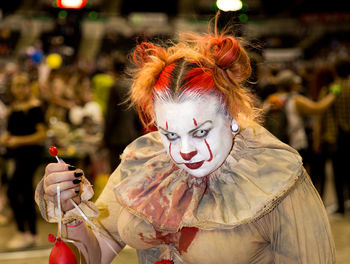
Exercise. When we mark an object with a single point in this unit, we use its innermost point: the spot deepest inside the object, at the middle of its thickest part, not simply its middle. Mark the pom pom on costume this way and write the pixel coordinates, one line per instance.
(60, 253)
(164, 261)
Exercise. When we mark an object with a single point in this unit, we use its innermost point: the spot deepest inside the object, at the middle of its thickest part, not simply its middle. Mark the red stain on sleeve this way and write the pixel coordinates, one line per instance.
(166, 238)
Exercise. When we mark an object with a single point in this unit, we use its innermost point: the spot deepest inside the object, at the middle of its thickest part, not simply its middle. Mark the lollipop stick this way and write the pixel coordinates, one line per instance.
(59, 210)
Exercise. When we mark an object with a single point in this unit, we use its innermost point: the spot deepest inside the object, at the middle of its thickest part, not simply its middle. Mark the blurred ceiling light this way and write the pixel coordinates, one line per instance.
(229, 5)
(72, 4)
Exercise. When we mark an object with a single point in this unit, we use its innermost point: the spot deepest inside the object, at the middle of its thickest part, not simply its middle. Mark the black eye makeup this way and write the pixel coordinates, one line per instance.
(200, 133)
(171, 136)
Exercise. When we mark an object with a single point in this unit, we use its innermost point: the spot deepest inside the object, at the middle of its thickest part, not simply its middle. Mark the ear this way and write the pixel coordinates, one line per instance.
(234, 127)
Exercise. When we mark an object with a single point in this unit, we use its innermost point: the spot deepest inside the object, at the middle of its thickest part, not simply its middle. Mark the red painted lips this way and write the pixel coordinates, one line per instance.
(194, 165)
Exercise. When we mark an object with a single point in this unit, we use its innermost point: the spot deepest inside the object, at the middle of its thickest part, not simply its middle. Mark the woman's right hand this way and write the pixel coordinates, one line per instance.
(70, 180)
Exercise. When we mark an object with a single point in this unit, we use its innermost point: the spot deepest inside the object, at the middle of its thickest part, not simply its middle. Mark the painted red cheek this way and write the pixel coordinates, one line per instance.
(211, 154)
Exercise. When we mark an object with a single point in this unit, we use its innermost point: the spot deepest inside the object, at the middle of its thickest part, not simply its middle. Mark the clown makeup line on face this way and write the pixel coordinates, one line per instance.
(196, 135)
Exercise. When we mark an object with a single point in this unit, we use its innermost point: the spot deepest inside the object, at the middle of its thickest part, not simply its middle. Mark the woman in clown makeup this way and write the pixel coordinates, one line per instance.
(210, 185)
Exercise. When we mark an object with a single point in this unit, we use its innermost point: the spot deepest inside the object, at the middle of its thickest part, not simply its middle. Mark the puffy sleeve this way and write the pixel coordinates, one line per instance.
(109, 208)
(300, 229)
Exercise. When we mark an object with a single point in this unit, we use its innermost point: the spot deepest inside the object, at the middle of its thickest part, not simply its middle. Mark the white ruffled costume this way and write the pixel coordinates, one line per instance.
(258, 207)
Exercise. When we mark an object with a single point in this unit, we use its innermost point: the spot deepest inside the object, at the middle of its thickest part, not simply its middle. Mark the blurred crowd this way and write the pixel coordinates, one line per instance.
(82, 112)
(80, 108)
(309, 109)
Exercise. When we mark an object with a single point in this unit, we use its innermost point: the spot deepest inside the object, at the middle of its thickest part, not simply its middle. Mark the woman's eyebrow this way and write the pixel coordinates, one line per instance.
(199, 126)
(192, 130)
(164, 130)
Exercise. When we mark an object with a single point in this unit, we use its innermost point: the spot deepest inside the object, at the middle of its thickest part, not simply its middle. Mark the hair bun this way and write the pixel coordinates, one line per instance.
(143, 52)
(224, 50)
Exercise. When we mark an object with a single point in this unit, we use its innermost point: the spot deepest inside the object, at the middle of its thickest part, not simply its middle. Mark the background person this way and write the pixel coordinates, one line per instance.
(24, 141)
(342, 128)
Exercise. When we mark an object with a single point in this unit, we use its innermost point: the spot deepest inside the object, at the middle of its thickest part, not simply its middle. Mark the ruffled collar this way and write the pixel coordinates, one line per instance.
(257, 174)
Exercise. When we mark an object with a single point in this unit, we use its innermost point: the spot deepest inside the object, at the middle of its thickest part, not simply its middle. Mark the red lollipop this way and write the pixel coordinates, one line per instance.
(53, 151)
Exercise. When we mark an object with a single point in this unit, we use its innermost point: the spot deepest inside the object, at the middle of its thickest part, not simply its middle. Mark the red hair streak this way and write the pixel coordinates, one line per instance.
(164, 79)
(199, 80)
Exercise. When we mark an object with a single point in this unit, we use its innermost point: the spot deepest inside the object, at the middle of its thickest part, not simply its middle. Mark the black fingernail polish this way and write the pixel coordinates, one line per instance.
(77, 192)
(70, 167)
(78, 174)
(76, 181)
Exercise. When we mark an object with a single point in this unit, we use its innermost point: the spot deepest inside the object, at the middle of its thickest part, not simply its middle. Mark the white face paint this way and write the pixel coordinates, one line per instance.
(197, 136)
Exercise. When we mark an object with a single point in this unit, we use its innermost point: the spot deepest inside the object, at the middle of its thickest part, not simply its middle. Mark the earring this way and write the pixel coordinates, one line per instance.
(234, 127)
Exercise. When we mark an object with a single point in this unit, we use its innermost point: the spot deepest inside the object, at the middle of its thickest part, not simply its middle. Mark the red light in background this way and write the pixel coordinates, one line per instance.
(71, 4)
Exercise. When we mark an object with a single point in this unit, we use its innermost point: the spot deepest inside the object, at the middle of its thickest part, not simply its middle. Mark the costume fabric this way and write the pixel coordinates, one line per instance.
(258, 207)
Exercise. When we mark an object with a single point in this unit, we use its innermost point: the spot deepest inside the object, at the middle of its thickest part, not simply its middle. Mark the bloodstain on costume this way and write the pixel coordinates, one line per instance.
(181, 240)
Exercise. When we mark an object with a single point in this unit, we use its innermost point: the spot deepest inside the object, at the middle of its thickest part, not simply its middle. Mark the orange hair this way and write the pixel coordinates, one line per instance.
(205, 64)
